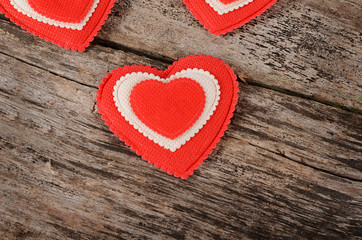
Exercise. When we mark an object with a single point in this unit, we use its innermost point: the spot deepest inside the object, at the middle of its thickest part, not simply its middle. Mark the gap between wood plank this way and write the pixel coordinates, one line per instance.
(168, 60)
(51, 72)
(226, 135)
(296, 161)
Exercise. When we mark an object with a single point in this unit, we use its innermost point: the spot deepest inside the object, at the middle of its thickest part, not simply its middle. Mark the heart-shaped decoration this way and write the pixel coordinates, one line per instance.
(172, 118)
(222, 16)
(168, 108)
(70, 24)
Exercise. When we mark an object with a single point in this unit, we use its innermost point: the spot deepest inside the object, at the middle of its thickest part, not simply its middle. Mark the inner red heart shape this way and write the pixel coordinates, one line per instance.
(63, 10)
(168, 108)
(222, 23)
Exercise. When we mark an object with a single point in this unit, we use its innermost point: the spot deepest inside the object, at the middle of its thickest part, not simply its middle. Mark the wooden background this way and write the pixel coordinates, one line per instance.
(289, 167)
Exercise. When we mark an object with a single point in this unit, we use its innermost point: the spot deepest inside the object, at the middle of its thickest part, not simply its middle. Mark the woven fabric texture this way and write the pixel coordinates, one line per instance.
(64, 11)
(124, 86)
(41, 18)
(183, 161)
(168, 108)
(24, 7)
(220, 18)
(227, 1)
(222, 8)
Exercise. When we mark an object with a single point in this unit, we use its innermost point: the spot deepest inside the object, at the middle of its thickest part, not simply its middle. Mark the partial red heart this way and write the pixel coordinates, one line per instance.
(168, 108)
(64, 10)
(70, 24)
(172, 118)
(222, 16)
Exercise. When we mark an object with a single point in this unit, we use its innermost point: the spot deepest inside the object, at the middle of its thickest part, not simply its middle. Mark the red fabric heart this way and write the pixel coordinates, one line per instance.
(221, 24)
(64, 37)
(183, 161)
(62, 10)
(168, 108)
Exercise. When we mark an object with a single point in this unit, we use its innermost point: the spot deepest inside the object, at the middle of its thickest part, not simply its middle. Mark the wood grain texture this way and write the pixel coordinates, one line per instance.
(310, 47)
(64, 175)
(302, 130)
(288, 167)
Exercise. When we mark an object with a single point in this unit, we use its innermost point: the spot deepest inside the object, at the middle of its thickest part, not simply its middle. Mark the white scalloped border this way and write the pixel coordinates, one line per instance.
(24, 7)
(222, 8)
(124, 86)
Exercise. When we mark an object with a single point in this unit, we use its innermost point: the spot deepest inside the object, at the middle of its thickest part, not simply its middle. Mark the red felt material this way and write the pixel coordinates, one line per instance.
(62, 10)
(168, 108)
(186, 159)
(227, 1)
(68, 38)
(221, 24)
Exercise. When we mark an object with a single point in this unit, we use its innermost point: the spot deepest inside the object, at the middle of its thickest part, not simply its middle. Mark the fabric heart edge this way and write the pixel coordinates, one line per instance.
(156, 163)
(66, 45)
(208, 26)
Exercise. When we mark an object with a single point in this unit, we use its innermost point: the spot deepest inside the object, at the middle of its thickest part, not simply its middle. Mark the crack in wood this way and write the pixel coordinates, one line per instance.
(296, 161)
(164, 59)
(51, 72)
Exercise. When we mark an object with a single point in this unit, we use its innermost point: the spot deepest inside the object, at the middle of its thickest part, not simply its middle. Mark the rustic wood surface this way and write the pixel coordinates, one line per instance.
(289, 166)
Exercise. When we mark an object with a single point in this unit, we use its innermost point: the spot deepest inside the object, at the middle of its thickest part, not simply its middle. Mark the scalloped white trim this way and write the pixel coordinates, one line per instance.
(24, 7)
(222, 8)
(124, 86)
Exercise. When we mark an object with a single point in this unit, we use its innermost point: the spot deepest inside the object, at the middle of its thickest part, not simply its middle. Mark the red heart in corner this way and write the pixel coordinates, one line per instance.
(229, 16)
(182, 155)
(46, 24)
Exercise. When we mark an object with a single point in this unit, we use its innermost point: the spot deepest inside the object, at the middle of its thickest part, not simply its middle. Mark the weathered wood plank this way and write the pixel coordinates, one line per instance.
(305, 131)
(65, 176)
(88, 68)
(309, 47)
